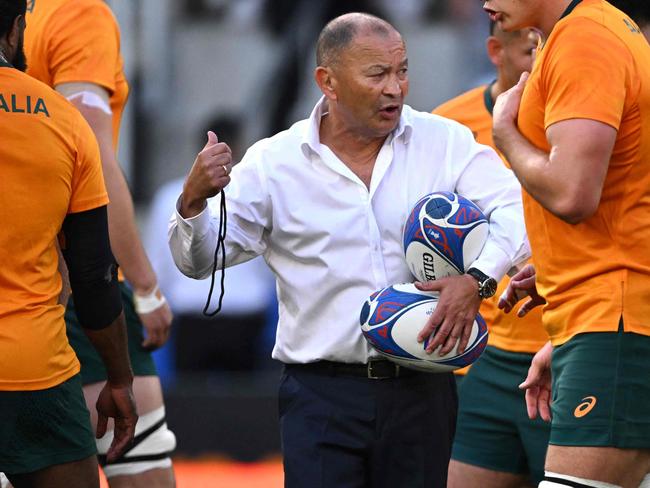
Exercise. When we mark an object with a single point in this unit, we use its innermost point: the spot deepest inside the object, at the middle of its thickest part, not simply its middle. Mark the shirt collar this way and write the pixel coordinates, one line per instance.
(570, 8)
(487, 97)
(311, 135)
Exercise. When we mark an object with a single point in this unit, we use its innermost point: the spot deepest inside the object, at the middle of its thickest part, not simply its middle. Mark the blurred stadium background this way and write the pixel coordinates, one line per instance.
(249, 62)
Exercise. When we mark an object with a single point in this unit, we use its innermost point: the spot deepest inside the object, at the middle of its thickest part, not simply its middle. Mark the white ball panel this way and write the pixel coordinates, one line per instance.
(474, 243)
(426, 264)
(405, 331)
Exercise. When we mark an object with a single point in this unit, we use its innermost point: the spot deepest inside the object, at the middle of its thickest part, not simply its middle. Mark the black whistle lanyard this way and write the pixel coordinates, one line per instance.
(221, 246)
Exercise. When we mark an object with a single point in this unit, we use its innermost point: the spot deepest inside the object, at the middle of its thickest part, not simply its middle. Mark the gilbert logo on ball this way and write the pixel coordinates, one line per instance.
(392, 318)
(443, 235)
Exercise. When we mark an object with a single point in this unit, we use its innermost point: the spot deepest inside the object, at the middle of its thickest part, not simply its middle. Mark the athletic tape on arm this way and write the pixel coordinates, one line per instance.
(149, 303)
(91, 99)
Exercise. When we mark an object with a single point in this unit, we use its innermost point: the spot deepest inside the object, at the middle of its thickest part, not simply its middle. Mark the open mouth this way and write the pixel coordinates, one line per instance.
(390, 110)
(493, 14)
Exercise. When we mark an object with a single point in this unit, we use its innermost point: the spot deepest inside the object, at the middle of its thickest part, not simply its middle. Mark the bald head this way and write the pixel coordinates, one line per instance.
(339, 32)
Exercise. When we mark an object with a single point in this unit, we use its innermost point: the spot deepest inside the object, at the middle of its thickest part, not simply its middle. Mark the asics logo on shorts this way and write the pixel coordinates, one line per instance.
(588, 403)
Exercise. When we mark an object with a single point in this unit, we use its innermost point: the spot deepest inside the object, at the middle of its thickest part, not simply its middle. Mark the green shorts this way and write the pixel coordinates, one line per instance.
(92, 367)
(493, 429)
(44, 427)
(601, 391)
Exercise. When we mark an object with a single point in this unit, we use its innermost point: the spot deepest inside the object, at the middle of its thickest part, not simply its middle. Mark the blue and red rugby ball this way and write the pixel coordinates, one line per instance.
(392, 318)
(443, 235)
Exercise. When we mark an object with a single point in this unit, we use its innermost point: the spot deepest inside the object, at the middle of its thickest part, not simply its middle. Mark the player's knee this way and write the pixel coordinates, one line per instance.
(555, 480)
(152, 447)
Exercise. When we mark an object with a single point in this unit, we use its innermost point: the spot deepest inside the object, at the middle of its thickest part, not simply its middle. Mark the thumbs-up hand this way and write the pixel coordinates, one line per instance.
(208, 176)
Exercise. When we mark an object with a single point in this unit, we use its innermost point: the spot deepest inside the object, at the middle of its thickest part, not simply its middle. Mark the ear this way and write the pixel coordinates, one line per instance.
(325, 80)
(494, 50)
(16, 32)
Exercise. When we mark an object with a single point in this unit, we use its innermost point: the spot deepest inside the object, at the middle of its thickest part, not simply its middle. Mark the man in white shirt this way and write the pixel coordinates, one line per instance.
(325, 203)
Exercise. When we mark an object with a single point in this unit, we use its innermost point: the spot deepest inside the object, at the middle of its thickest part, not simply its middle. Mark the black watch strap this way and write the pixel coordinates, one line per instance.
(487, 286)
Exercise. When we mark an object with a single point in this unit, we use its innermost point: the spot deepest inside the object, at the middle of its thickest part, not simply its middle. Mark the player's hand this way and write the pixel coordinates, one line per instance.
(538, 384)
(117, 401)
(155, 314)
(521, 285)
(454, 315)
(506, 111)
(157, 325)
(208, 176)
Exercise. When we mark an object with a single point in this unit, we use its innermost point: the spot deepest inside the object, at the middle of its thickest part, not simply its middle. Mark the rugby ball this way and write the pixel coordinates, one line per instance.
(443, 235)
(392, 318)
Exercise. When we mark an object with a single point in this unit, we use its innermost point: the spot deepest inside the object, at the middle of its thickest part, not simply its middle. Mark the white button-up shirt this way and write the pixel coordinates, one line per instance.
(251, 286)
(330, 240)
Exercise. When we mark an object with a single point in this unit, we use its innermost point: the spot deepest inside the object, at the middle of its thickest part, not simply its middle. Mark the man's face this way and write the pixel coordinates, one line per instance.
(513, 15)
(372, 82)
(517, 53)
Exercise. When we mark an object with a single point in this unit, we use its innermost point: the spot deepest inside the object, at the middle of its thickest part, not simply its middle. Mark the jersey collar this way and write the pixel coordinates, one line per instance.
(570, 8)
(487, 97)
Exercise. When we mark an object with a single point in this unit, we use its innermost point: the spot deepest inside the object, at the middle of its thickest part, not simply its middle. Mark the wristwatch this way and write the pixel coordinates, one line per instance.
(487, 286)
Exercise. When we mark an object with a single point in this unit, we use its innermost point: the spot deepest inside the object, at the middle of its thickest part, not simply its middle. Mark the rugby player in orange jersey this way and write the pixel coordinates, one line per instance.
(577, 135)
(74, 47)
(49, 188)
(496, 444)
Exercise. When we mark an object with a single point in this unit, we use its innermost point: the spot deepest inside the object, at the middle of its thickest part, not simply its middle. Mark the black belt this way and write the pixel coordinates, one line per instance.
(376, 369)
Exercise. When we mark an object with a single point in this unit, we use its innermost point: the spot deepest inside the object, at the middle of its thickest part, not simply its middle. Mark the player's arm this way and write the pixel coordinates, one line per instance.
(93, 102)
(93, 279)
(568, 181)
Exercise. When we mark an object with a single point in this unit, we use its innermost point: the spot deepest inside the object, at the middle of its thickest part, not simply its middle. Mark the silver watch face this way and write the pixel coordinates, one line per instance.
(488, 288)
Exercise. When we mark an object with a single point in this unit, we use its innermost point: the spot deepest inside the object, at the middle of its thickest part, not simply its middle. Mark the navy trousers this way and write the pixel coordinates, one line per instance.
(353, 432)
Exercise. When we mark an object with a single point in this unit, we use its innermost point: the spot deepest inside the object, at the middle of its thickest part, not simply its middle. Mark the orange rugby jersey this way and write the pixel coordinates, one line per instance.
(508, 332)
(77, 41)
(594, 65)
(49, 167)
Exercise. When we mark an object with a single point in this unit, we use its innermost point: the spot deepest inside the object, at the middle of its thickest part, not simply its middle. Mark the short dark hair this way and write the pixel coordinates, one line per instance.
(9, 10)
(338, 33)
(638, 10)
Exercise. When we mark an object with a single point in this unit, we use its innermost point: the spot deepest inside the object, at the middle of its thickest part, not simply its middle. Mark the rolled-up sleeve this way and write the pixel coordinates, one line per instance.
(486, 181)
(193, 241)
